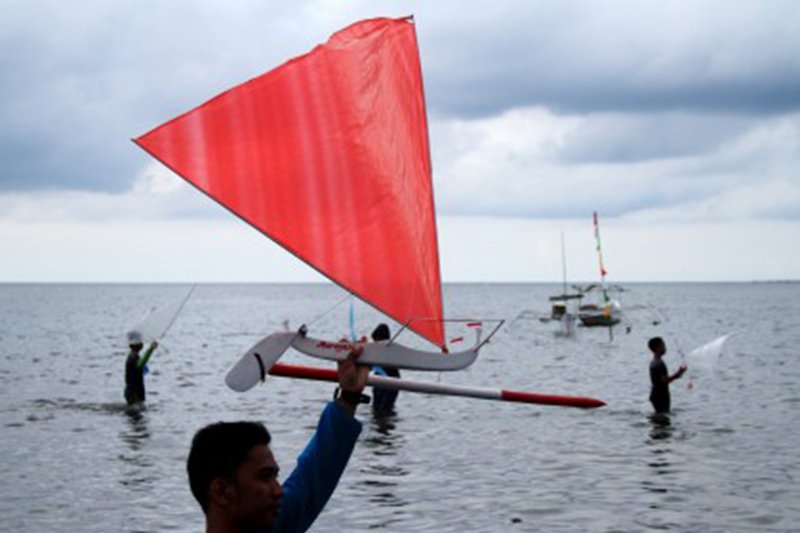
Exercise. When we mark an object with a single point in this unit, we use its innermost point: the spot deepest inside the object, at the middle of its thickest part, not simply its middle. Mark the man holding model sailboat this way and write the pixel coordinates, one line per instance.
(234, 476)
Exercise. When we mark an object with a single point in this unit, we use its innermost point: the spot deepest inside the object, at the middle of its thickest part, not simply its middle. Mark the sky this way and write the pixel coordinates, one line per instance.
(678, 122)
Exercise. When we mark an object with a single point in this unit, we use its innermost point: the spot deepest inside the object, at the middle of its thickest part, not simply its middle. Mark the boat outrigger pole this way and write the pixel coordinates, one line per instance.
(262, 360)
(325, 374)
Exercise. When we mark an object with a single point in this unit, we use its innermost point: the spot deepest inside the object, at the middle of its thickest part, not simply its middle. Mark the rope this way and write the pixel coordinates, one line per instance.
(329, 310)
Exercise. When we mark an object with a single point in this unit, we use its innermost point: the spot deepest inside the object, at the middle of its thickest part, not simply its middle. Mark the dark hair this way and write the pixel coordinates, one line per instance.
(218, 450)
(381, 333)
(654, 343)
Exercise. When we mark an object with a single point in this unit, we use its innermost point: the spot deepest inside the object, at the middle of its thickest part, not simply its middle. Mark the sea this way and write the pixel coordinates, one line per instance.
(727, 459)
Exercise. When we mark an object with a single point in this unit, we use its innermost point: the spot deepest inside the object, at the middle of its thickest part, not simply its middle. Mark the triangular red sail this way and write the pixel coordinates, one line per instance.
(328, 156)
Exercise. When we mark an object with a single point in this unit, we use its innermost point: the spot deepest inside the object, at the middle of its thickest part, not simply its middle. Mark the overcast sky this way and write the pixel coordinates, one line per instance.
(679, 122)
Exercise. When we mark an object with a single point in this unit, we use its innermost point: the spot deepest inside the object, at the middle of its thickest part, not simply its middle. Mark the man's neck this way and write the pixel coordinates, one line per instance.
(219, 523)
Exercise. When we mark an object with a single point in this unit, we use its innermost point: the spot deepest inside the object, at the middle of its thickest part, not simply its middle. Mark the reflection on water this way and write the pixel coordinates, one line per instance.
(661, 426)
(661, 430)
(383, 426)
(139, 468)
(660, 466)
(383, 472)
(137, 431)
(659, 483)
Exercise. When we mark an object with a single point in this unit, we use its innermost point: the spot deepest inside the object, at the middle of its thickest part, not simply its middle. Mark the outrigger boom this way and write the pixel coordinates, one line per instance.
(268, 350)
(261, 360)
(325, 374)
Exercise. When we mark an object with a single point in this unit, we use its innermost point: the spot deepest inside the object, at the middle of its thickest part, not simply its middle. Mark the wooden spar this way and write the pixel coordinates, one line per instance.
(325, 374)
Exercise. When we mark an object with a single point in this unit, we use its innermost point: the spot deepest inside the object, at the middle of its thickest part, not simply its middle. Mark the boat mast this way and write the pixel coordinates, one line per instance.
(606, 299)
(563, 264)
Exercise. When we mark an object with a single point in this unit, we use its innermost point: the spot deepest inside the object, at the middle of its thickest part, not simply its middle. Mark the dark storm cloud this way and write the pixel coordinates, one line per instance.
(576, 57)
(81, 79)
(483, 97)
(628, 138)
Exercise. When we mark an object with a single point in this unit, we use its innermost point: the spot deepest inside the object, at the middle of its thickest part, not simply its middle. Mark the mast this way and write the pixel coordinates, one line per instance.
(603, 272)
(563, 264)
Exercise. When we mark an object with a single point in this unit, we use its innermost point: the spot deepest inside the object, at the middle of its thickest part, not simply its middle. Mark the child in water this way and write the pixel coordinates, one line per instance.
(659, 376)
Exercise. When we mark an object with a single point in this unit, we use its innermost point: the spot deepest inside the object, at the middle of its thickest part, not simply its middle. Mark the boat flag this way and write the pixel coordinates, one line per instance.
(328, 156)
(603, 271)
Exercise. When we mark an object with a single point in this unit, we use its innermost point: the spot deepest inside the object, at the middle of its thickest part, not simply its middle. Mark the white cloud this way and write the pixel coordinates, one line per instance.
(524, 163)
(144, 251)
(774, 199)
(157, 194)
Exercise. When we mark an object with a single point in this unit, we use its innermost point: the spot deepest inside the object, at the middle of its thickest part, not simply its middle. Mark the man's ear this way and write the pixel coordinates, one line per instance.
(220, 492)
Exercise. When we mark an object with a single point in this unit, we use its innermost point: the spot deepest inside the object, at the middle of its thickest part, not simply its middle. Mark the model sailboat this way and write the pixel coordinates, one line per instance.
(328, 156)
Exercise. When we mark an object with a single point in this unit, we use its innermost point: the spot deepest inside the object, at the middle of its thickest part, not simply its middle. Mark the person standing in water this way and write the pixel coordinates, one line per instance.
(659, 376)
(383, 400)
(135, 368)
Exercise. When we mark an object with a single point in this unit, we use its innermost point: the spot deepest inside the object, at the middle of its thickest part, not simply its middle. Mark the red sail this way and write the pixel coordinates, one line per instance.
(328, 156)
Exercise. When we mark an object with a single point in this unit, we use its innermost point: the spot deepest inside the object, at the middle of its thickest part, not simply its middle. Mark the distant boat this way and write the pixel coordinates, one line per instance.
(592, 315)
(560, 308)
(608, 311)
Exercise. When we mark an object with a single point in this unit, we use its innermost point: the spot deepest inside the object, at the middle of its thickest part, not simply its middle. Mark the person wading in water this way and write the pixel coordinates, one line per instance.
(659, 376)
(234, 475)
(383, 399)
(135, 368)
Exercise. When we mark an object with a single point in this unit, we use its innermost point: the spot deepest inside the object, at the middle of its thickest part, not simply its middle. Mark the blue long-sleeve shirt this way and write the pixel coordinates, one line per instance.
(319, 467)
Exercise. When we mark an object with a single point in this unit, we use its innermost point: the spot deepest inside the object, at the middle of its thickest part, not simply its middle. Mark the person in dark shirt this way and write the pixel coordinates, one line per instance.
(659, 376)
(135, 368)
(383, 400)
(234, 476)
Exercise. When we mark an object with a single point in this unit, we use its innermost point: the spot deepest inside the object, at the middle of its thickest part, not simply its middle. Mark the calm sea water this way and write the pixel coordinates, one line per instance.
(72, 459)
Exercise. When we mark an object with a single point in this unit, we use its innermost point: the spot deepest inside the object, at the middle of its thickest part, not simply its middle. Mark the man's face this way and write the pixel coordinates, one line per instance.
(661, 348)
(256, 492)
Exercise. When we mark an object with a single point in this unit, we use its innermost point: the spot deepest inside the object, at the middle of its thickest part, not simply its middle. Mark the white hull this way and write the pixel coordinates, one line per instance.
(387, 354)
(254, 365)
